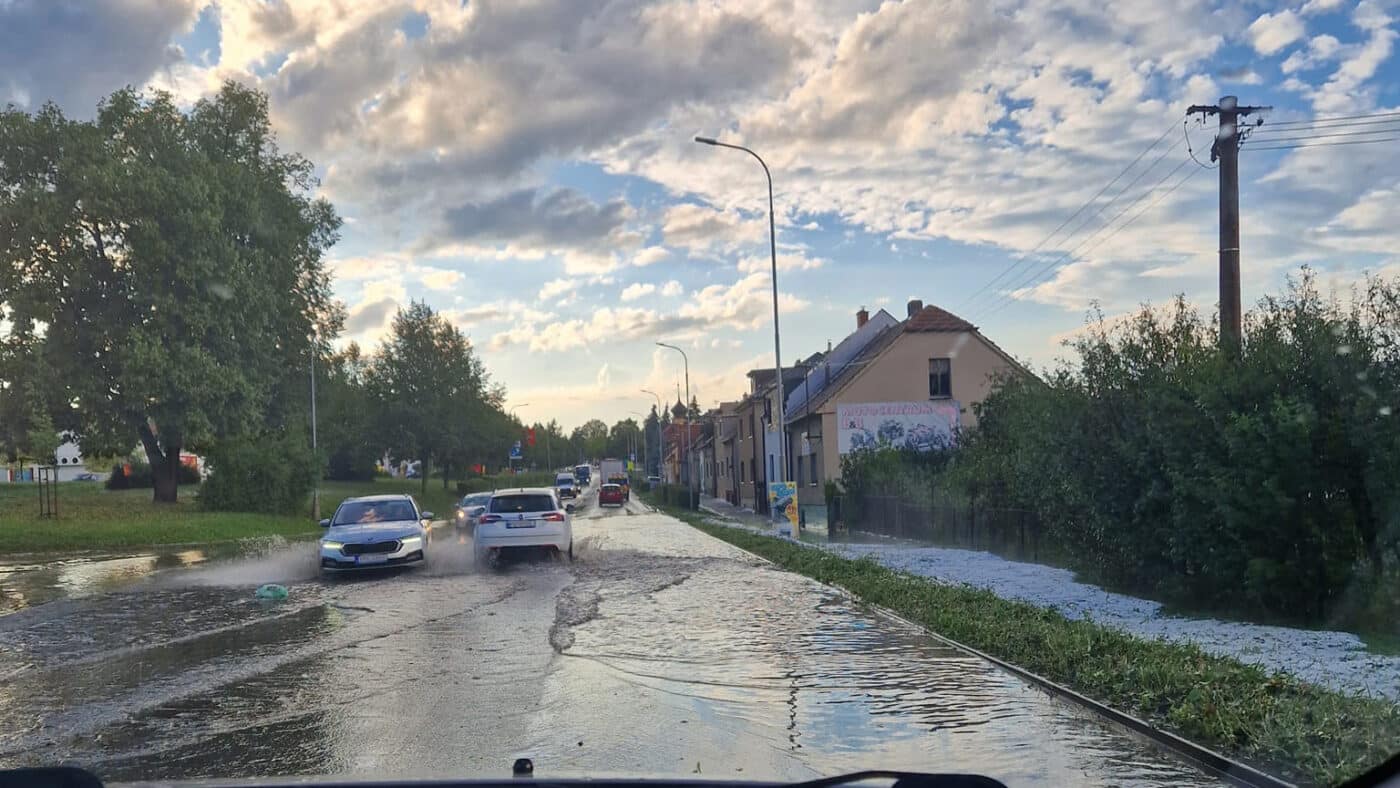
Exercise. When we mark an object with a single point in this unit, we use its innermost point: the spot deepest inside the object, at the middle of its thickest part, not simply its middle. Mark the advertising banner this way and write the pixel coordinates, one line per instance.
(920, 426)
(782, 504)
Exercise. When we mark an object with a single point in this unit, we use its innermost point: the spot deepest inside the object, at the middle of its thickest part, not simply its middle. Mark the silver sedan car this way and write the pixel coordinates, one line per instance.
(374, 532)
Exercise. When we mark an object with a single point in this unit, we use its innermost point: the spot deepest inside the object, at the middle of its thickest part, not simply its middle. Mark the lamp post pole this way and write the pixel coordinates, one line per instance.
(777, 344)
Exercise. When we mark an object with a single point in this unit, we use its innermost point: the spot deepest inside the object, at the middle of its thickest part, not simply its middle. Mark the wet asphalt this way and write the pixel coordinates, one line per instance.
(659, 650)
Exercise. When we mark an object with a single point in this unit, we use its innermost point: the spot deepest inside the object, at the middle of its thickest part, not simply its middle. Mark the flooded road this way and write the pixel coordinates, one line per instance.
(659, 650)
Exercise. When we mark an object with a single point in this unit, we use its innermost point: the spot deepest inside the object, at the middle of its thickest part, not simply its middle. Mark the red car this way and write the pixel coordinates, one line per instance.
(611, 493)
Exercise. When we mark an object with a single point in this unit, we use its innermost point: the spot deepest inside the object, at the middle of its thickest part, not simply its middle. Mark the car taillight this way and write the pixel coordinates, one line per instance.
(554, 517)
(490, 518)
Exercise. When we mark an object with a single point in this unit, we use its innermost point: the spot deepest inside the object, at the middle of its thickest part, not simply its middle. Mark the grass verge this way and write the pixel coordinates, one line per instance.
(1295, 730)
(94, 518)
(91, 518)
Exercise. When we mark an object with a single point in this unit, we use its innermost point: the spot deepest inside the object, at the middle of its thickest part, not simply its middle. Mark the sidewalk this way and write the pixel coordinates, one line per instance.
(722, 508)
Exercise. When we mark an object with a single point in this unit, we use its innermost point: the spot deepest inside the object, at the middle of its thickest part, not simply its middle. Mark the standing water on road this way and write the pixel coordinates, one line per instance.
(659, 650)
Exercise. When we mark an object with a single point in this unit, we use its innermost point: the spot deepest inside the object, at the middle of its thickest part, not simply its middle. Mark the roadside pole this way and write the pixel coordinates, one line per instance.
(315, 458)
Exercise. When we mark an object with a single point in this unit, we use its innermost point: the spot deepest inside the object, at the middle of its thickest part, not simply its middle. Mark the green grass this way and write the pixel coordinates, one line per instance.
(1292, 729)
(92, 518)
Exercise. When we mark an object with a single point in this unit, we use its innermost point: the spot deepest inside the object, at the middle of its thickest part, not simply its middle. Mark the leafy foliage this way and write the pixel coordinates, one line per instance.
(1267, 484)
(272, 474)
(175, 260)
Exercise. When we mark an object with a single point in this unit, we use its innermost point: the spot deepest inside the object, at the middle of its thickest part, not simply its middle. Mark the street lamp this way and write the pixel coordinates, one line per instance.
(316, 489)
(689, 471)
(777, 351)
(660, 436)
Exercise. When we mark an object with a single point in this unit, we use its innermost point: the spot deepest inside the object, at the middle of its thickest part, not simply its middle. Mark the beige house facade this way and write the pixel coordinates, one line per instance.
(930, 357)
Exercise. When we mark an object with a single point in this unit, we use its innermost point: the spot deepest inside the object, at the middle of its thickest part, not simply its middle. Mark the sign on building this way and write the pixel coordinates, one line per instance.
(920, 426)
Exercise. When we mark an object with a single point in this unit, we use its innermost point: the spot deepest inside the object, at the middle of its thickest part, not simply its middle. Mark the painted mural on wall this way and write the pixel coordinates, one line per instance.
(920, 426)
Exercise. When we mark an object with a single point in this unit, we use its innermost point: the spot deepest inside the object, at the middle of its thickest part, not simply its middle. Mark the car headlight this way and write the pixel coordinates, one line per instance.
(327, 544)
(411, 540)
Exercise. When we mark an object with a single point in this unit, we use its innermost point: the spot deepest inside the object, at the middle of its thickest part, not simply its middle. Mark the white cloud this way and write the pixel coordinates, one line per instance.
(1272, 32)
(555, 287)
(603, 378)
(649, 255)
(672, 288)
(440, 279)
(635, 291)
(1319, 6)
(700, 227)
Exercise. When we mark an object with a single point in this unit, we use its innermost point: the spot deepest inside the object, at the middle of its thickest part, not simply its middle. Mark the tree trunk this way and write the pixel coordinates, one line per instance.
(446, 468)
(423, 476)
(164, 466)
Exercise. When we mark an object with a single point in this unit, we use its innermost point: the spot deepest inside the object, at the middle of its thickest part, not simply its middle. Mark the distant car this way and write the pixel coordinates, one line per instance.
(86, 477)
(652, 481)
(565, 485)
(522, 520)
(611, 494)
(470, 508)
(583, 473)
(374, 532)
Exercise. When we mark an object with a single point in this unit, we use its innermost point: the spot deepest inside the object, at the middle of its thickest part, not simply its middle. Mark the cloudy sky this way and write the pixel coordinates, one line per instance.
(528, 167)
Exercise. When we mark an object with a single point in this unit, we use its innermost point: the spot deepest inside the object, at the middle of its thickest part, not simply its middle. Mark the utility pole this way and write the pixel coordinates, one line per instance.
(316, 487)
(1226, 150)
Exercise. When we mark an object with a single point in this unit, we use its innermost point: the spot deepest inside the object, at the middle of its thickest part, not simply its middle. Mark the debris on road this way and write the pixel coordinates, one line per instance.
(272, 592)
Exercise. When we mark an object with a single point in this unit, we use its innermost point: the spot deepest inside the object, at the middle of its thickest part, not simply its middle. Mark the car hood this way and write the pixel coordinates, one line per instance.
(374, 532)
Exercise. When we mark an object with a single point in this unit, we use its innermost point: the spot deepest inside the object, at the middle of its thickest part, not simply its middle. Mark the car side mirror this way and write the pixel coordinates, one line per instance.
(568, 507)
(426, 515)
(325, 523)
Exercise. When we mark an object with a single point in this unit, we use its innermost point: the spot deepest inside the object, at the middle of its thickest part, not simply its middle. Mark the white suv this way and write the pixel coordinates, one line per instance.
(524, 519)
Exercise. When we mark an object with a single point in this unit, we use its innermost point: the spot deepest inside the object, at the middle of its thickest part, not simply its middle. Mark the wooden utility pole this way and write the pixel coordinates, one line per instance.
(1226, 150)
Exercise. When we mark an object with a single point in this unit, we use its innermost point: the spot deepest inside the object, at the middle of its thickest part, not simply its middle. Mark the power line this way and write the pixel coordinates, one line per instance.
(1272, 140)
(1133, 218)
(1320, 144)
(1322, 126)
(1312, 121)
(974, 297)
(1072, 252)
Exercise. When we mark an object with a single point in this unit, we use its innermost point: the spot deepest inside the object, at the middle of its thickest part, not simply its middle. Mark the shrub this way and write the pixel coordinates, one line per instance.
(351, 464)
(270, 474)
(1265, 482)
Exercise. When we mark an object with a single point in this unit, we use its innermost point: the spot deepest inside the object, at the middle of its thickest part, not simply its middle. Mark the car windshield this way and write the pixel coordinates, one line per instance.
(1011, 388)
(359, 512)
(510, 504)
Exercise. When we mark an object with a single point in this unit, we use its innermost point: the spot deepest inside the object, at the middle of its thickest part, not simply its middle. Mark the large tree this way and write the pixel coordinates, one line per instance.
(173, 261)
(431, 391)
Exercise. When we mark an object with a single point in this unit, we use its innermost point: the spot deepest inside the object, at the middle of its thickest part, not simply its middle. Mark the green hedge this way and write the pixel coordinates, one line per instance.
(270, 474)
(1264, 484)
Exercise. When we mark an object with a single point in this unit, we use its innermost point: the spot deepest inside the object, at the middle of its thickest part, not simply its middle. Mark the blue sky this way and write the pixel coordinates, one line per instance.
(528, 169)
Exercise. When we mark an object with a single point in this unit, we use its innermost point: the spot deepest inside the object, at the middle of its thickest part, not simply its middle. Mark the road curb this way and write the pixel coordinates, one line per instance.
(1204, 758)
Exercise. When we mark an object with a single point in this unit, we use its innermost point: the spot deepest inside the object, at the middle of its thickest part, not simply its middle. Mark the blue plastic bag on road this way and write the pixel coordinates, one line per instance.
(271, 591)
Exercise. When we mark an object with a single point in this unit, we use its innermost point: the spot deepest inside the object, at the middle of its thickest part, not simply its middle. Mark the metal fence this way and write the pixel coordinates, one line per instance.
(1013, 533)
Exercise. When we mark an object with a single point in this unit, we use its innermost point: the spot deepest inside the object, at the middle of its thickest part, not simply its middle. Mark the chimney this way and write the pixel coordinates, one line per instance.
(862, 317)
(915, 306)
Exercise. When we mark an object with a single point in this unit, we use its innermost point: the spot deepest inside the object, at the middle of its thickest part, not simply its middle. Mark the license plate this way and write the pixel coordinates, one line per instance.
(521, 524)
(372, 559)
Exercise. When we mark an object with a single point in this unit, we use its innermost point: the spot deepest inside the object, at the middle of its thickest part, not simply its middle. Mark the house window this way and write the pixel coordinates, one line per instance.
(812, 463)
(940, 378)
